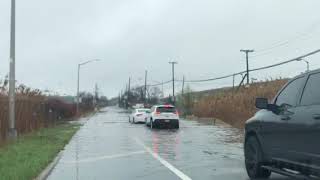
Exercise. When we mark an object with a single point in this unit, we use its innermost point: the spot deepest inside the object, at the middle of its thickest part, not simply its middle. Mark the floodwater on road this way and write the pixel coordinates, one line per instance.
(108, 147)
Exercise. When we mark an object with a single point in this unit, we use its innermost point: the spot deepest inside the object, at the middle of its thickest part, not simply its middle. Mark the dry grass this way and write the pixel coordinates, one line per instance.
(235, 107)
(31, 110)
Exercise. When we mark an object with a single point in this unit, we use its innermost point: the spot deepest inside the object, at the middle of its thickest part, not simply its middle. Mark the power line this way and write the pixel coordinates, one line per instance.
(256, 69)
(298, 36)
(158, 84)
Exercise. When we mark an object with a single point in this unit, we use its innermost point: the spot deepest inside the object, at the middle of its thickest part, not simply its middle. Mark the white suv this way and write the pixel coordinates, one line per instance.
(163, 116)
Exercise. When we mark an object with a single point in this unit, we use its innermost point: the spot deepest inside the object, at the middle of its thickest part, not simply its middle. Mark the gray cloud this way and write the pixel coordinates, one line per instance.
(131, 36)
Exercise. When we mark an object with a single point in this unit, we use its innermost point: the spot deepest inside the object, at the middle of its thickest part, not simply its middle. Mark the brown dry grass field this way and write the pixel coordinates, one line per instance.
(235, 107)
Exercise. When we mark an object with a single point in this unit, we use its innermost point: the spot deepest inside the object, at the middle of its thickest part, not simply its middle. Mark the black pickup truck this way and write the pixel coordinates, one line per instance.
(284, 136)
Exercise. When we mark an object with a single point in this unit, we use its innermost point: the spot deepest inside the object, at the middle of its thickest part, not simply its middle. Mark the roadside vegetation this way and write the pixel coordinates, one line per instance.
(26, 157)
(36, 109)
(229, 105)
(41, 121)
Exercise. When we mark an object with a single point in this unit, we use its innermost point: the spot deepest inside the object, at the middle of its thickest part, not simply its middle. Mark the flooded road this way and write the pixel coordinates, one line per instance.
(107, 147)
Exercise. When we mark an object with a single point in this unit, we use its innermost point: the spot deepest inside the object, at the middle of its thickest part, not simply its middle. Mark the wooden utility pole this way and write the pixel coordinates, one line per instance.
(247, 51)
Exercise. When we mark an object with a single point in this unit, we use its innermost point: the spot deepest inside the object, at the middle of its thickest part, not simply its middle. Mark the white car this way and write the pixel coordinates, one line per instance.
(139, 115)
(163, 116)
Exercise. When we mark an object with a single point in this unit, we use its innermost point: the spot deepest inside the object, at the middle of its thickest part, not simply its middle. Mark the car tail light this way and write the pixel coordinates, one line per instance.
(157, 112)
(177, 112)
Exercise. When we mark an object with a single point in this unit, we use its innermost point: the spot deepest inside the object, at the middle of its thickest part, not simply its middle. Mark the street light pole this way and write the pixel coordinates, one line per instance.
(173, 63)
(78, 82)
(12, 132)
(145, 87)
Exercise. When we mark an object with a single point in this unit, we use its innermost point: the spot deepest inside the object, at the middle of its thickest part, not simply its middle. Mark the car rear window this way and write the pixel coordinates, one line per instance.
(143, 110)
(166, 109)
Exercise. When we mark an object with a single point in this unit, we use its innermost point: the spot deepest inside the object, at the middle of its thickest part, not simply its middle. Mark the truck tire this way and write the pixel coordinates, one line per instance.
(253, 159)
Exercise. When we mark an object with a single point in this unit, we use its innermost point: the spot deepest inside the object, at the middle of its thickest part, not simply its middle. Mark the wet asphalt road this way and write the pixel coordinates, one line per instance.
(107, 147)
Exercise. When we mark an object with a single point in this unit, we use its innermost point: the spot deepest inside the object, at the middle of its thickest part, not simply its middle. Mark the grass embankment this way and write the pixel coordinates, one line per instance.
(235, 107)
(31, 153)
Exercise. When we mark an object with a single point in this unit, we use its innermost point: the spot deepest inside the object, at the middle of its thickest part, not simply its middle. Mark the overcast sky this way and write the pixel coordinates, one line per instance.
(131, 36)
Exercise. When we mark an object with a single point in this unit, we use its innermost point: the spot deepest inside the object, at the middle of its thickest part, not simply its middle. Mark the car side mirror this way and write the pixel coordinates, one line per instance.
(262, 103)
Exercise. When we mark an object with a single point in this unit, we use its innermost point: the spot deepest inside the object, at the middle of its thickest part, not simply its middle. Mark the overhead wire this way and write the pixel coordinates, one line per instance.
(256, 69)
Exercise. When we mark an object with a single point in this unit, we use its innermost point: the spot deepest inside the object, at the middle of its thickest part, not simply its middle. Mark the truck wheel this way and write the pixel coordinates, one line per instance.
(253, 159)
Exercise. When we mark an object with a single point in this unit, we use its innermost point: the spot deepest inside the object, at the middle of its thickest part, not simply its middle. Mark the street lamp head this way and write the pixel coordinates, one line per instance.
(93, 60)
(307, 62)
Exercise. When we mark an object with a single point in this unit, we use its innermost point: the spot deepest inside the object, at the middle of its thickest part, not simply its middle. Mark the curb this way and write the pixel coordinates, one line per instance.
(46, 172)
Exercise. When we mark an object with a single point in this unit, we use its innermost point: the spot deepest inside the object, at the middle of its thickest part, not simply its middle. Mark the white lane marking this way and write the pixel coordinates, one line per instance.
(104, 157)
(176, 171)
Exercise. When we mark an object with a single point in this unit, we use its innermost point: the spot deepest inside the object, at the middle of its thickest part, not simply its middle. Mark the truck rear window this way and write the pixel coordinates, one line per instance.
(166, 109)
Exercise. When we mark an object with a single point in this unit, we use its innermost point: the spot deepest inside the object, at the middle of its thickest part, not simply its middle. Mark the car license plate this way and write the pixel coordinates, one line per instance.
(167, 120)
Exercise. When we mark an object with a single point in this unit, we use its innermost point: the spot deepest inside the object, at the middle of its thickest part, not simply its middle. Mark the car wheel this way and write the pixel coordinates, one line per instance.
(129, 120)
(177, 126)
(133, 121)
(253, 159)
(151, 124)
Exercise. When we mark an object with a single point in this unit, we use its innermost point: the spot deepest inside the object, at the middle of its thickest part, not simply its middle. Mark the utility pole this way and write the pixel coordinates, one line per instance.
(162, 93)
(129, 90)
(12, 132)
(145, 87)
(173, 63)
(247, 51)
(233, 79)
(182, 86)
(96, 94)
(126, 97)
